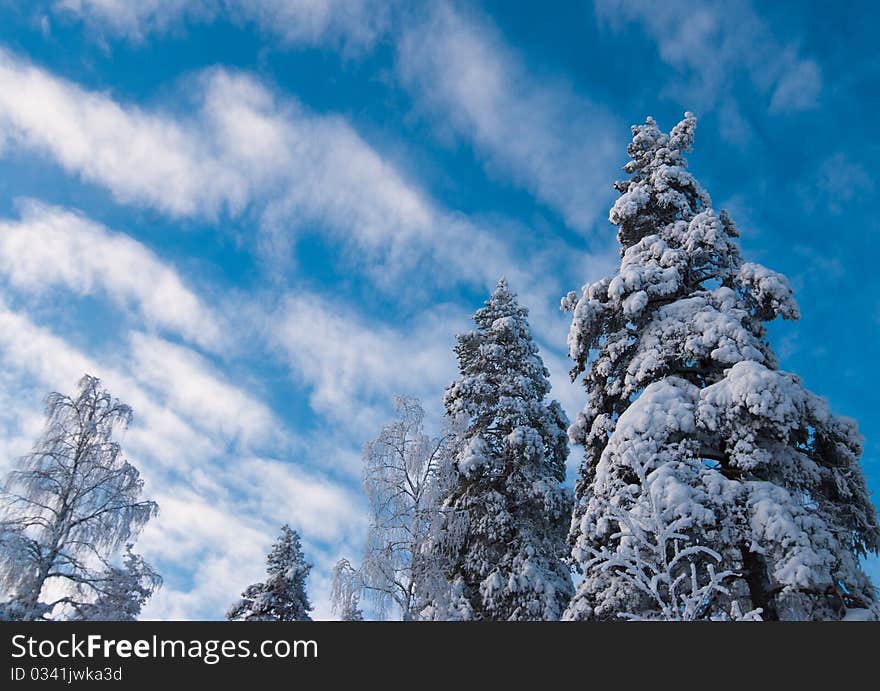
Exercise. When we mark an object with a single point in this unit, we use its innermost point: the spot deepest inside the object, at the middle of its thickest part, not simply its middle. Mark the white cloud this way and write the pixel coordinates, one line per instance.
(140, 157)
(311, 171)
(43, 355)
(184, 381)
(798, 87)
(50, 246)
(353, 23)
(713, 42)
(355, 368)
(837, 184)
(325, 511)
(313, 168)
(527, 127)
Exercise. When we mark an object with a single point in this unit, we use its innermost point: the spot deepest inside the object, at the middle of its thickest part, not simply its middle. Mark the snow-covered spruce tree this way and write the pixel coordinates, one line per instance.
(501, 529)
(400, 472)
(688, 416)
(69, 508)
(282, 597)
(345, 592)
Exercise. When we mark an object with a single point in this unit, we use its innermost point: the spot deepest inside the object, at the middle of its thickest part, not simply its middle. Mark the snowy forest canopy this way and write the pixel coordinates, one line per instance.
(713, 486)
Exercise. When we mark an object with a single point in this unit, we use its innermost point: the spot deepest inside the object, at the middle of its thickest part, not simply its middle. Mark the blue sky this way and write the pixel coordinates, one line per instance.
(258, 222)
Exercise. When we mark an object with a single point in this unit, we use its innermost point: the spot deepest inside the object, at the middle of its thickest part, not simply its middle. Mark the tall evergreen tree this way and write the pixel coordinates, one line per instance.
(700, 455)
(501, 529)
(282, 597)
(69, 508)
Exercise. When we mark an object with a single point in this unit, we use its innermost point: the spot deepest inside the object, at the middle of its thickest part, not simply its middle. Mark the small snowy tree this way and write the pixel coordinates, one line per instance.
(70, 506)
(345, 592)
(282, 597)
(400, 479)
(500, 534)
(123, 591)
(758, 477)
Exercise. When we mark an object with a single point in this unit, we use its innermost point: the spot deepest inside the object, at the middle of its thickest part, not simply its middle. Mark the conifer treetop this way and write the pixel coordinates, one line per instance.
(282, 597)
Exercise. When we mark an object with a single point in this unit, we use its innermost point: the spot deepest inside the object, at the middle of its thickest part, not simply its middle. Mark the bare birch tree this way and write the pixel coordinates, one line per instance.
(345, 591)
(400, 471)
(69, 508)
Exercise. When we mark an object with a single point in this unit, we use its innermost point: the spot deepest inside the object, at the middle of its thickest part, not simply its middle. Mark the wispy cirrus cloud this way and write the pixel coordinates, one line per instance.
(837, 184)
(354, 367)
(243, 147)
(50, 247)
(181, 379)
(530, 128)
(354, 24)
(141, 157)
(714, 43)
